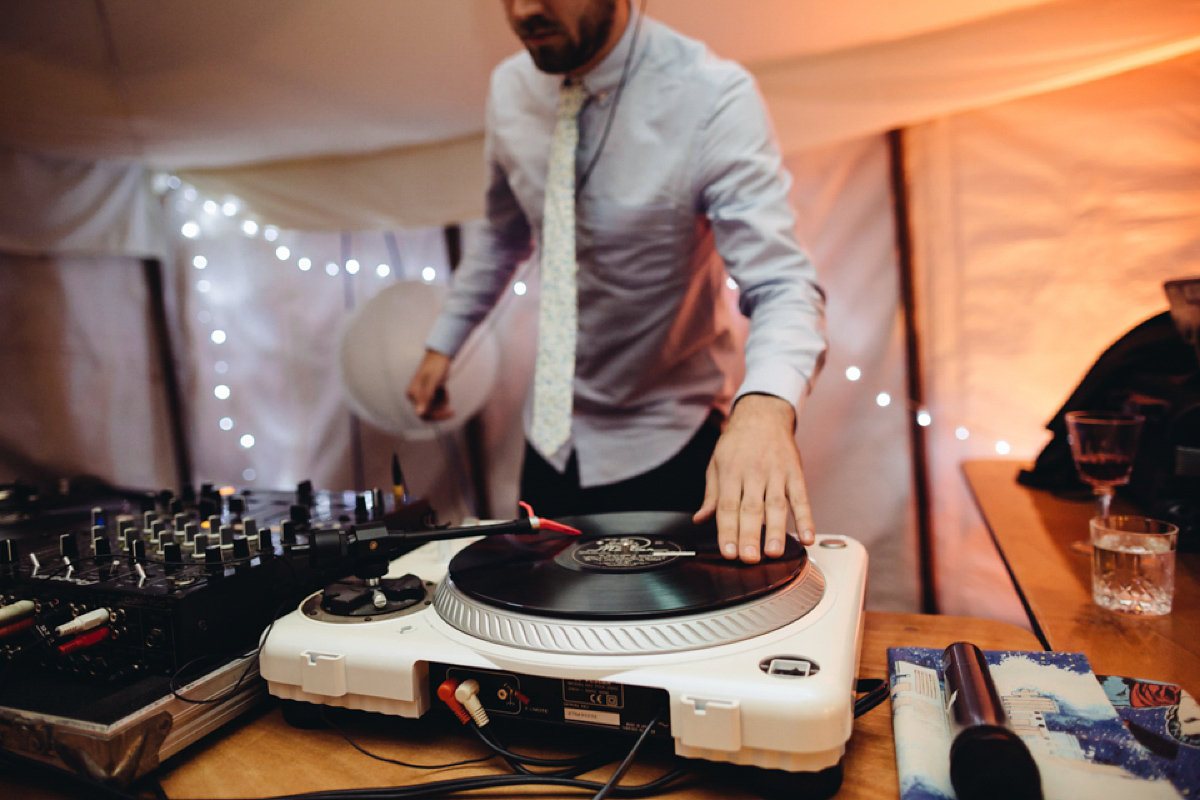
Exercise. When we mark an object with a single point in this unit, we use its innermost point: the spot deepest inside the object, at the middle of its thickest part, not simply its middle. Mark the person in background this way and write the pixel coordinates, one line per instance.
(641, 170)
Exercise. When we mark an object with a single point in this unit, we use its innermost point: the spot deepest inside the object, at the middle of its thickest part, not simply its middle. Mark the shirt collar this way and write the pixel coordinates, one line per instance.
(604, 77)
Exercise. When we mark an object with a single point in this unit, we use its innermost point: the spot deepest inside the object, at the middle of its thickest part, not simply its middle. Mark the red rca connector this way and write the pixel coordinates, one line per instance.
(445, 693)
(16, 627)
(85, 640)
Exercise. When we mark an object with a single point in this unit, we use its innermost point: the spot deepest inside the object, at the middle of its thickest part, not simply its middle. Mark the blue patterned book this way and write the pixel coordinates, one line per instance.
(1060, 710)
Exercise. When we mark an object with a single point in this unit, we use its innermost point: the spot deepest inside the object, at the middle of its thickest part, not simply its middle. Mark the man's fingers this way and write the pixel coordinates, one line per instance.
(798, 497)
(776, 521)
(750, 519)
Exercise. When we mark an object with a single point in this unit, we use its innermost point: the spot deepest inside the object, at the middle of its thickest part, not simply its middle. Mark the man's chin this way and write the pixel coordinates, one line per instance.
(551, 59)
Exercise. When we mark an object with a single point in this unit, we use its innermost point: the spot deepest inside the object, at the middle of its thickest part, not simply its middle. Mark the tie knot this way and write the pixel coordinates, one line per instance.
(571, 98)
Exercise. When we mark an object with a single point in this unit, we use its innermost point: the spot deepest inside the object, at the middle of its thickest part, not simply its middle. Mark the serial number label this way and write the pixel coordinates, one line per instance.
(594, 717)
(593, 693)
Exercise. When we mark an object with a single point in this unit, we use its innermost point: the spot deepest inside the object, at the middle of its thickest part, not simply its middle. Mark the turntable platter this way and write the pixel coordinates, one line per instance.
(629, 565)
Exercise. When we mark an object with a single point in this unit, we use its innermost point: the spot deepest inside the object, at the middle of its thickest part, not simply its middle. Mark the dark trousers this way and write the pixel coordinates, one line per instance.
(677, 485)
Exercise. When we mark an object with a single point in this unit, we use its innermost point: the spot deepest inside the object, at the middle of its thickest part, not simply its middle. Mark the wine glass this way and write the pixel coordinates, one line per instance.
(1103, 444)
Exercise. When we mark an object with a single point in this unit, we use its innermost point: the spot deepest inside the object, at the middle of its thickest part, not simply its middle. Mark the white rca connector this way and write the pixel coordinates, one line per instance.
(84, 622)
(467, 693)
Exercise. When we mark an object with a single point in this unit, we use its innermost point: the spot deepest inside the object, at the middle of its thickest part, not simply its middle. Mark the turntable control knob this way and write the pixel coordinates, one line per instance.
(137, 550)
(199, 545)
(181, 519)
(148, 518)
(190, 531)
(226, 534)
(156, 530)
(287, 532)
(68, 546)
(304, 493)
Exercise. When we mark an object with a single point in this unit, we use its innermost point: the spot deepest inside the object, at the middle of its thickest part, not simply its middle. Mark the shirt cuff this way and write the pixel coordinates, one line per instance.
(448, 334)
(784, 384)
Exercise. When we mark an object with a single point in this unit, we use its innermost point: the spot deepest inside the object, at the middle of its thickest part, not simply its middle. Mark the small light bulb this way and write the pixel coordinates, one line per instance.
(226, 423)
(221, 367)
(218, 336)
(923, 419)
(305, 264)
(210, 206)
(203, 286)
(428, 274)
(352, 266)
(853, 373)
(229, 208)
(519, 288)
(883, 399)
(731, 283)
(961, 433)
(383, 270)
(199, 262)
(270, 233)
(249, 227)
(331, 268)
(283, 253)
(221, 392)
(247, 441)
(189, 193)
(1002, 447)
(190, 229)
(249, 474)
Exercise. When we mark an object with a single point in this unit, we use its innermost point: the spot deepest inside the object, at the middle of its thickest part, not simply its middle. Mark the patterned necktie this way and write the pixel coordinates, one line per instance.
(554, 369)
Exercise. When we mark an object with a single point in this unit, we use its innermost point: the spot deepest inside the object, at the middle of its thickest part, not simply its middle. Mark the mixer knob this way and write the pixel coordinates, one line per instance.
(237, 505)
(190, 531)
(287, 532)
(299, 515)
(304, 493)
(266, 546)
(137, 550)
(212, 560)
(172, 556)
(101, 547)
(68, 546)
(250, 531)
(226, 533)
(241, 546)
(361, 514)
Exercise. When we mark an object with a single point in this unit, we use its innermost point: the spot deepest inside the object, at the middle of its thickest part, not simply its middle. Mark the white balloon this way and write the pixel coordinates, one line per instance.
(383, 342)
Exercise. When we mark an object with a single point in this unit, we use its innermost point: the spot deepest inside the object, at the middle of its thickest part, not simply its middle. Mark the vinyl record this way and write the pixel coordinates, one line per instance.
(624, 566)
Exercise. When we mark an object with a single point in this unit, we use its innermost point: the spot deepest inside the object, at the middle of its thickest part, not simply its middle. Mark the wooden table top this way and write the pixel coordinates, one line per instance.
(1033, 530)
(260, 755)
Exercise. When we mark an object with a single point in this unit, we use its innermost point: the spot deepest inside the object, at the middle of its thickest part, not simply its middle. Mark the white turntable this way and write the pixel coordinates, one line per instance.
(756, 664)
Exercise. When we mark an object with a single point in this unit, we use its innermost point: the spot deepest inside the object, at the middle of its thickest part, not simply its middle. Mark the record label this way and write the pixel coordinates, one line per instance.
(626, 553)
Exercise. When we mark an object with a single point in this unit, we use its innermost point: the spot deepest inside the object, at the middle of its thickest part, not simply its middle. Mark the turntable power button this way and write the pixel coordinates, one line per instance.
(833, 544)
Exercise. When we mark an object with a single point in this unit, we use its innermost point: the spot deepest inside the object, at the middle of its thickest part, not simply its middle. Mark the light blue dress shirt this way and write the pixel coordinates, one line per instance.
(689, 184)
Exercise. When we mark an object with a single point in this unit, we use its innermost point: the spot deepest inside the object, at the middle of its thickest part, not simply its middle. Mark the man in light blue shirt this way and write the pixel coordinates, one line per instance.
(678, 180)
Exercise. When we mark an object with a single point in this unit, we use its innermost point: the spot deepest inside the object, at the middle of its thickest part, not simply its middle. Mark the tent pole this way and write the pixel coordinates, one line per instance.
(927, 575)
(161, 335)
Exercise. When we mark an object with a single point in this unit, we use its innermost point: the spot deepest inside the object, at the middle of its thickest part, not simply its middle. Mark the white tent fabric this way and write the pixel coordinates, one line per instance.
(1051, 146)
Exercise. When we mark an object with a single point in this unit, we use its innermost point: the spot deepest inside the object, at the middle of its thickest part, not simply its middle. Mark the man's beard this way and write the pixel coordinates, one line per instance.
(594, 28)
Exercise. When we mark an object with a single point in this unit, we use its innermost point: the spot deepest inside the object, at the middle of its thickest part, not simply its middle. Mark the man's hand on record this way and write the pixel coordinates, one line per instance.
(427, 390)
(754, 478)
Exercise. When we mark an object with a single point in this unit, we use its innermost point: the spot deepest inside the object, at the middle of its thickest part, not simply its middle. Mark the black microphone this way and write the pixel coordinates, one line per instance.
(988, 760)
